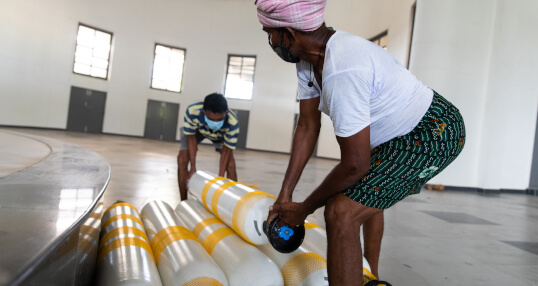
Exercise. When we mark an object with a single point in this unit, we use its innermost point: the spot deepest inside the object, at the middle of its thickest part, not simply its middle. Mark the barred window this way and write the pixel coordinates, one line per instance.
(168, 68)
(240, 77)
(92, 52)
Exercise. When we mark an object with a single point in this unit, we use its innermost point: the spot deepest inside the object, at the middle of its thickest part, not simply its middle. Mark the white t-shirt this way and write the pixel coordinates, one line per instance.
(363, 85)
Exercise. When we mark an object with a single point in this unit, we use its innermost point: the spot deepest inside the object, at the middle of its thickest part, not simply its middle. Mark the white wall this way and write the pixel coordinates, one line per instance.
(480, 54)
(509, 121)
(38, 50)
(450, 53)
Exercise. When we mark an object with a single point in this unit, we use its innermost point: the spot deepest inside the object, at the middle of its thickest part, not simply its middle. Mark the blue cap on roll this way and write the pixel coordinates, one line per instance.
(284, 239)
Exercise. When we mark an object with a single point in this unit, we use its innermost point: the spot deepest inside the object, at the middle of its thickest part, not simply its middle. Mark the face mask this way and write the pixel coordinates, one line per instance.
(284, 52)
(214, 125)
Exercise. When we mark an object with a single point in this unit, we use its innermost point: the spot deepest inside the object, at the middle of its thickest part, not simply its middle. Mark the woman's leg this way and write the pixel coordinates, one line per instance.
(373, 233)
(344, 218)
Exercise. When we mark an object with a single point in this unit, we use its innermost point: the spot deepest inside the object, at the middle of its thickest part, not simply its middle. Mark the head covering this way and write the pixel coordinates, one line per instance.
(302, 15)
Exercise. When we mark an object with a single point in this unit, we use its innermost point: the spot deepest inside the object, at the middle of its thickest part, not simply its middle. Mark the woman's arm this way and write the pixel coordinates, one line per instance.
(354, 163)
(304, 141)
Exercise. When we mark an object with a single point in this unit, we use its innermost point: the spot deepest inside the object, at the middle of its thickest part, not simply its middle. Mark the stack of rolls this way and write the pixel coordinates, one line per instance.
(125, 256)
(245, 209)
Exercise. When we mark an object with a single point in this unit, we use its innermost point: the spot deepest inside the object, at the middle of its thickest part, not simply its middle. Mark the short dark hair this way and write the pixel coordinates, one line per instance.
(216, 103)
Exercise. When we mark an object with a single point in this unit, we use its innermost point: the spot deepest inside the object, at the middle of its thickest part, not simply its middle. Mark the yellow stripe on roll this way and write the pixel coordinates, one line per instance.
(121, 242)
(122, 230)
(203, 224)
(87, 245)
(241, 209)
(203, 281)
(96, 215)
(216, 195)
(207, 187)
(121, 216)
(166, 236)
(309, 225)
(211, 241)
(367, 276)
(300, 266)
(89, 230)
(122, 204)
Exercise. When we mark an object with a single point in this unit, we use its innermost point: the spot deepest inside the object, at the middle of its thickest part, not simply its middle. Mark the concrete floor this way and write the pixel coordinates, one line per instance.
(434, 238)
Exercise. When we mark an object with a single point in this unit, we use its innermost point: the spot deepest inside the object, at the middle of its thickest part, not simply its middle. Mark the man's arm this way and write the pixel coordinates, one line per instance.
(354, 163)
(193, 148)
(225, 155)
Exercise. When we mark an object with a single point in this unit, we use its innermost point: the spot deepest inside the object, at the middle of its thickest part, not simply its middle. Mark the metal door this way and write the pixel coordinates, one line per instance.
(86, 110)
(161, 120)
(242, 116)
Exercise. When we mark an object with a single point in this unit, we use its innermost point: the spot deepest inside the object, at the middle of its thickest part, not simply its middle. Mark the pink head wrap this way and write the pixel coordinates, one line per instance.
(302, 15)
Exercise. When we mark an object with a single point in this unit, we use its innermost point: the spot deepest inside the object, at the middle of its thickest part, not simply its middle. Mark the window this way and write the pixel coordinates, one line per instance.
(381, 39)
(92, 52)
(168, 68)
(240, 77)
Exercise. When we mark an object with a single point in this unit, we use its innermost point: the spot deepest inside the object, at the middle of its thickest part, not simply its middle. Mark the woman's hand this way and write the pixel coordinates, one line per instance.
(290, 213)
(272, 215)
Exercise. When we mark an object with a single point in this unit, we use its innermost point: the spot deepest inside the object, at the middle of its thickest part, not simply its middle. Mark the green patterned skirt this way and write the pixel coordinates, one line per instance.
(401, 166)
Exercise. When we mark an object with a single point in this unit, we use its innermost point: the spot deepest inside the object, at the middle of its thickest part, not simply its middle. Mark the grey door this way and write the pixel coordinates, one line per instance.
(534, 169)
(86, 110)
(161, 120)
(242, 116)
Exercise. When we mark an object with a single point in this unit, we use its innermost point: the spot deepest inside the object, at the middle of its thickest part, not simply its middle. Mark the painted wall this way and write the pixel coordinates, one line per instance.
(451, 53)
(509, 123)
(38, 50)
(480, 54)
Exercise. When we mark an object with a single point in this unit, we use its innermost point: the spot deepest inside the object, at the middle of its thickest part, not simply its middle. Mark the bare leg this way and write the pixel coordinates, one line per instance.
(182, 172)
(231, 172)
(344, 218)
(373, 232)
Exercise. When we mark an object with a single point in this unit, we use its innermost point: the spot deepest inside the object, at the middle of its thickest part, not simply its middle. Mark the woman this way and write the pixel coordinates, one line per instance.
(394, 132)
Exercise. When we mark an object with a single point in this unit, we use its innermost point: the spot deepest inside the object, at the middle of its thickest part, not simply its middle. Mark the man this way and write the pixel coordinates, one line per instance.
(394, 132)
(209, 119)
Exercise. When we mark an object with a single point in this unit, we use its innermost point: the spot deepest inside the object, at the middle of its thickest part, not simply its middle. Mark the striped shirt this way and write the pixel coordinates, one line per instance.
(195, 122)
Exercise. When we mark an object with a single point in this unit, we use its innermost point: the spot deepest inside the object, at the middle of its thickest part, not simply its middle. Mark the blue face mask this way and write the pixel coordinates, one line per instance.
(214, 125)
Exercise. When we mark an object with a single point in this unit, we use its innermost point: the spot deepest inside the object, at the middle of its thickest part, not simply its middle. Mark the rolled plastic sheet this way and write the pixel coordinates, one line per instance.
(125, 256)
(180, 257)
(299, 267)
(239, 206)
(88, 244)
(315, 241)
(242, 263)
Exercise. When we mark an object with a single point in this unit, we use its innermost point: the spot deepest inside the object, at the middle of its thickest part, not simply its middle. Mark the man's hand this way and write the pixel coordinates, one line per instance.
(290, 213)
